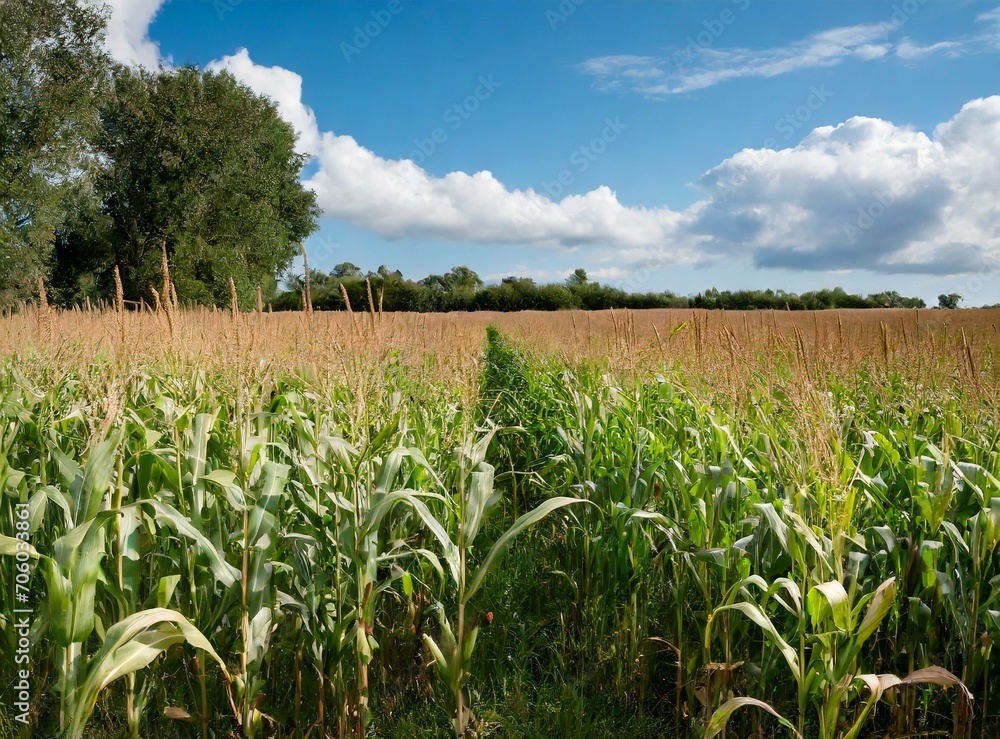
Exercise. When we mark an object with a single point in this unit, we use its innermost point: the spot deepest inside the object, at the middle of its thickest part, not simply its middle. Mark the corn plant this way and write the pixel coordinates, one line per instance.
(471, 503)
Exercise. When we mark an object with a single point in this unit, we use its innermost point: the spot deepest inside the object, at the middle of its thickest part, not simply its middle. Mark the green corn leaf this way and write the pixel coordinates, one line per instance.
(470, 644)
(130, 645)
(829, 595)
(9, 547)
(412, 499)
(389, 469)
(504, 542)
(480, 497)
(97, 477)
(878, 608)
(442, 663)
(169, 516)
(71, 576)
(723, 713)
(755, 614)
(165, 590)
(197, 449)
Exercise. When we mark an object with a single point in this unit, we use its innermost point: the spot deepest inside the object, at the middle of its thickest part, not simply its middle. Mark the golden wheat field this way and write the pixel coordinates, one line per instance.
(957, 342)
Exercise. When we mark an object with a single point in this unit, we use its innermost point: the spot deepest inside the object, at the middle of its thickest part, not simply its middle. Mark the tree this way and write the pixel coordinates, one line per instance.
(888, 299)
(387, 274)
(949, 301)
(577, 279)
(347, 270)
(52, 72)
(462, 280)
(892, 299)
(196, 163)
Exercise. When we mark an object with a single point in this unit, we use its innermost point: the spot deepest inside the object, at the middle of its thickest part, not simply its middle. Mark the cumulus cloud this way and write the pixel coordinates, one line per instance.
(128, 39)
(865, 194)
(397, 199)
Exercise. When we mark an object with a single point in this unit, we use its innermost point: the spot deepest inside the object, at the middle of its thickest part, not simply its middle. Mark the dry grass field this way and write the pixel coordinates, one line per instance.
(955, 343)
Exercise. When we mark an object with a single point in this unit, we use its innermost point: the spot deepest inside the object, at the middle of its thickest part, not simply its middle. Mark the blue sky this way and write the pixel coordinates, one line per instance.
(673, 145)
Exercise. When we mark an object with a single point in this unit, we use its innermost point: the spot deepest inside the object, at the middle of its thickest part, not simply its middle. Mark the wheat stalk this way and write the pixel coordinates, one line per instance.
(44, 312)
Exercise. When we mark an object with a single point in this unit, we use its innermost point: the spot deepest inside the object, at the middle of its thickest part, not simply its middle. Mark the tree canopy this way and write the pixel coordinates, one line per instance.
(198, 164)
(949, 301)
(52, 75)
(103, 165)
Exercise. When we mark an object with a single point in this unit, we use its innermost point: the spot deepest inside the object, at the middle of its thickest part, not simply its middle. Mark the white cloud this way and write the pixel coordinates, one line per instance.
(396, 198)
(698, 67)
(992, 36)
(128, 39)
(864, 195)
(907, 49)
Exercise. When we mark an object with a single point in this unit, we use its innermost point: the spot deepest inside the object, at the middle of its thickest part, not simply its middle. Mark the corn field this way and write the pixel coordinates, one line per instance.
(662, 523)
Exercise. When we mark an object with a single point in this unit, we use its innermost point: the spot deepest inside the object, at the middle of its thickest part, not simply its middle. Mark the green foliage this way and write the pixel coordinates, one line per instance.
(94, 175)
(197, 163)
(949, 301)
(51, 78)
(812, 300)
(504, 383)
(462, 290)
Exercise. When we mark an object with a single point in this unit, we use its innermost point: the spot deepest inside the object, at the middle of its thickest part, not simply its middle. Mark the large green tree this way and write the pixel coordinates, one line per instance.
(52, 73)
(198, 163)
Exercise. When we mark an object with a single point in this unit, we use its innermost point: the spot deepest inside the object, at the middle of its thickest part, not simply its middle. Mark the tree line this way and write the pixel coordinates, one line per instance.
(461, 289)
